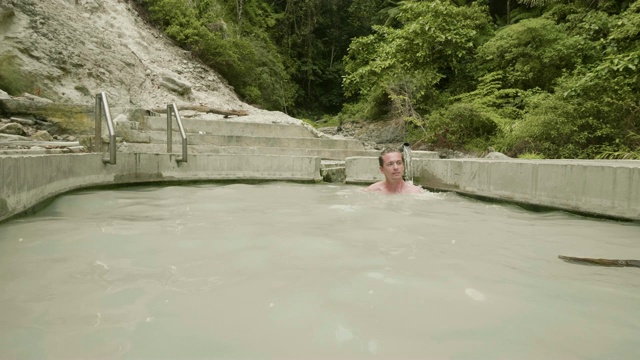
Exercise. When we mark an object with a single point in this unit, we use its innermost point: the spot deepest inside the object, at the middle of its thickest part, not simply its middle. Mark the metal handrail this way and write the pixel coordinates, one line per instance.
(172, 108)
(408, 168)
(102, 105)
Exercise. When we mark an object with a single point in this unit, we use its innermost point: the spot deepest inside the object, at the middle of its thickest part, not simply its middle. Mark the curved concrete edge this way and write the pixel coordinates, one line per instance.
(26, 181)
(598, 187)
(604, 188)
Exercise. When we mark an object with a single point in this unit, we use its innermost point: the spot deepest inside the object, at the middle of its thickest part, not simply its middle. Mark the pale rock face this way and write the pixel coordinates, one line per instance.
(75, 49)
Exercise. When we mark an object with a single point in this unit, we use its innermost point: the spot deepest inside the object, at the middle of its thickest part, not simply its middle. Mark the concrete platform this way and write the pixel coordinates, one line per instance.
(28, 180)
(160, 137)
(334, 154)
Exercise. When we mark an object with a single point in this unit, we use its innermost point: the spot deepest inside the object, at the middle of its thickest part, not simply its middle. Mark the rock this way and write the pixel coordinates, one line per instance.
(11, 137)
(173, 83)
(329, 130)
(42, 135)
(4, 95)
(36, 98)
(76, 48)
(335, 174)
(120, 118)
(383, 132)
(450, 154)
(90, 5)
(13, 129)
(22, 121)
(496, 155)
(76, 149)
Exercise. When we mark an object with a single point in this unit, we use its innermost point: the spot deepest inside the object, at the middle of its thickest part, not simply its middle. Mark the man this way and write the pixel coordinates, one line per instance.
(392, 166)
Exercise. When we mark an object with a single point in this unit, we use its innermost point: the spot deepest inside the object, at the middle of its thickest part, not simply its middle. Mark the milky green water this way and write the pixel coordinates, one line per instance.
(294, 271)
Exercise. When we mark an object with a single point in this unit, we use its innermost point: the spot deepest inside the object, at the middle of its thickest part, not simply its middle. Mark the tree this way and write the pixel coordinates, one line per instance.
(533, 54)
(434, 44)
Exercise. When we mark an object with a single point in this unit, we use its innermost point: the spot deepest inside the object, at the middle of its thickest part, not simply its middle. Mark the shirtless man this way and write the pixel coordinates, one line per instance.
(392, 166)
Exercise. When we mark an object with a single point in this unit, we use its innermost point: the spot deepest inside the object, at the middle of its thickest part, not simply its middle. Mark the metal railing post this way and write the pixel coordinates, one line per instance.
(173, 109)
(408, 166)
(169, 129)
(97, 143)
(102, 105)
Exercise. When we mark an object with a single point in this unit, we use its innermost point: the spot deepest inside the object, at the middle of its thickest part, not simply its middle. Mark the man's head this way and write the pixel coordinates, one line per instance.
(385, 152)
(391, 164)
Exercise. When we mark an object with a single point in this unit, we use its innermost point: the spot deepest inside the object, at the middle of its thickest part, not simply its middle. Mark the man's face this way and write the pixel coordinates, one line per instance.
(392, 166)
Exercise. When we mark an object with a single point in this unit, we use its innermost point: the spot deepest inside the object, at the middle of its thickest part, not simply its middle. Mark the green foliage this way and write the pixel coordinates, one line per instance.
(12, 79)
(559, 79)
(533, 54)
(591, 112)
(619, 155)
(558, 91)
(461, 125)
(531, 156)
(434, 43)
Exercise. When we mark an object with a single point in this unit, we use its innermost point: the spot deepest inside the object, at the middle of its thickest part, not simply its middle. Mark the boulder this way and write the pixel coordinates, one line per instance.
(13, 129)
(174, 84)
(496, 155)
(42, 135)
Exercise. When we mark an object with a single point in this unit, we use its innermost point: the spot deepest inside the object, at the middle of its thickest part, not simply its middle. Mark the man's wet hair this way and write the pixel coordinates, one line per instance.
(385, 152)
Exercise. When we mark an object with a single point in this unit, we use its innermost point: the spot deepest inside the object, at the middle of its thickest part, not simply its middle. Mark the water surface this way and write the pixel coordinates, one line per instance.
(281, 270)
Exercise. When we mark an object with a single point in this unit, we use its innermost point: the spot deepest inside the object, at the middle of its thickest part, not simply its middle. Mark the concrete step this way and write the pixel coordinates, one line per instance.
(231, 127)
(160, 137)
(333, 154)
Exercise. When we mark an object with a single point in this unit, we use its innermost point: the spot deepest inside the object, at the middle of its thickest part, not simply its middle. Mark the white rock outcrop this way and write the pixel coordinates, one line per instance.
(77, 48)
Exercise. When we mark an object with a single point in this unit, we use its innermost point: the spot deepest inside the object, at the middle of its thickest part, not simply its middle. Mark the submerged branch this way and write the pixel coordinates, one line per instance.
(600, 262)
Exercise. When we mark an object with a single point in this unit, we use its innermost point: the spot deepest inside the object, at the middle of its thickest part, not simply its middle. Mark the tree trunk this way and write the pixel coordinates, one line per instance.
(204, 109)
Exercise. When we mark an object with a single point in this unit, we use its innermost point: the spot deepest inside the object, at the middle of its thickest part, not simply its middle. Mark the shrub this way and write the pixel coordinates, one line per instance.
(460, 126)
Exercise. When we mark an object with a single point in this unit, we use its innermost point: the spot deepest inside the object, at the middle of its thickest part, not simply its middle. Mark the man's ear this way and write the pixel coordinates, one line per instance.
(381, 169)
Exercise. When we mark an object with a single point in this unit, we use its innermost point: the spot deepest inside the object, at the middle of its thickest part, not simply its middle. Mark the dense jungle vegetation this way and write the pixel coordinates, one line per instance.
(530, 78)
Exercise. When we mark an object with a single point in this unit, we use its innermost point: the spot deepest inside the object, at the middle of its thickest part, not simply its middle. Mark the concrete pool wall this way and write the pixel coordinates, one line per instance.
(608, 188)
(599, 187)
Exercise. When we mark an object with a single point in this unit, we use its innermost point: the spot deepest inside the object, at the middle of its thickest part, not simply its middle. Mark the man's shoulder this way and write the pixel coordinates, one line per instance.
(414, 189)
(379, 186)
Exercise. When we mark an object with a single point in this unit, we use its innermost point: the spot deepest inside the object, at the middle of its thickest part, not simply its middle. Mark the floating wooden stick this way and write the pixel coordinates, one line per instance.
(600, 262)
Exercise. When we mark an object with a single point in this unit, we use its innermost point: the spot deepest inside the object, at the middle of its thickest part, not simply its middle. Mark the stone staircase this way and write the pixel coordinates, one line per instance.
(235, 136)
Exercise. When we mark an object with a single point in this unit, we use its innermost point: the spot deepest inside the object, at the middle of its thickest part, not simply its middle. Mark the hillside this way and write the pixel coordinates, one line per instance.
(69, 50)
